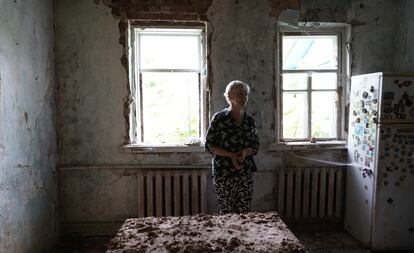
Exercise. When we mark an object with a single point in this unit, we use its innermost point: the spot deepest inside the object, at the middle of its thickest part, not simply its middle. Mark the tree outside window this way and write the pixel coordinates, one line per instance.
(167, 84)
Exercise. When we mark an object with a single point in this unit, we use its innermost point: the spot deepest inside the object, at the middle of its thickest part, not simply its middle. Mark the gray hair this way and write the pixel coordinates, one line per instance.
(233, 84)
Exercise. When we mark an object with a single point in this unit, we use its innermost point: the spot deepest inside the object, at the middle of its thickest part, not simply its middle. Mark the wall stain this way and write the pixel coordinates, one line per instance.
(280, 5)
(169, 10)
(26, 118)
(355, 22)
(151, 9)
(323, 15)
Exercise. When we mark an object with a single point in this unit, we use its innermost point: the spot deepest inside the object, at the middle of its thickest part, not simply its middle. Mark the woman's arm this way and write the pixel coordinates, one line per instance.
(242, 154)
(222, 152)
(232, 155)
(254, 143)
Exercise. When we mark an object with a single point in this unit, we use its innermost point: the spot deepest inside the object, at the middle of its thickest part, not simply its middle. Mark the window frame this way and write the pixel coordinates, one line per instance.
(135, 143)
(309, 28)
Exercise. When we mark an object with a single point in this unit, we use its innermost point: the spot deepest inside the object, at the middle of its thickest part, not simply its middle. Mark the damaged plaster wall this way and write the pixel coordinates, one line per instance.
(380, 37)
(93, 89)
(28, 181)
(375, 41)
(404, 50)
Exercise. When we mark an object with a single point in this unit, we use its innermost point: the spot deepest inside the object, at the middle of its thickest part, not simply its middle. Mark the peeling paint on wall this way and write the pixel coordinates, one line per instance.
(177, 10)
(241, 37)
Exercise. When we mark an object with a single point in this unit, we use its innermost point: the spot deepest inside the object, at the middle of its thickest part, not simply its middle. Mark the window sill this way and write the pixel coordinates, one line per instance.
(280, 146)
(134, 148)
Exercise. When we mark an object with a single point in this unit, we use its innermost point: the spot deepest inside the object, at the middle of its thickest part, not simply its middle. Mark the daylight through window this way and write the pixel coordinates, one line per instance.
(168, 85)
(310, 73)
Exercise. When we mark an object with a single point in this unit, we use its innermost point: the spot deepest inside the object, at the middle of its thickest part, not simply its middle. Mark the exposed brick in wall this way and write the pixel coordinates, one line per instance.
(178, 10)
(159, 9)
(192, 10)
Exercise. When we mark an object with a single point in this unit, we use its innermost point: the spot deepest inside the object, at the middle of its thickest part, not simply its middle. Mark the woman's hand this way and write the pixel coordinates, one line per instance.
(237, 158)
(241, 155)
(238, 165)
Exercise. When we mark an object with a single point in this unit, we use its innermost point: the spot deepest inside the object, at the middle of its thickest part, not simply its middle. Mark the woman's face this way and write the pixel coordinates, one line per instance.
(238, 96)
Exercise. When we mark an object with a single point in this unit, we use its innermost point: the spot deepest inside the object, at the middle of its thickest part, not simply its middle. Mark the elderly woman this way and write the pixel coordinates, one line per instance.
(232, 139)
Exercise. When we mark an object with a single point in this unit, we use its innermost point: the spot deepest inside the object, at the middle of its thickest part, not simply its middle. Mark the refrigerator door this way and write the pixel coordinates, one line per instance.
(397, 99)
(361, 148)
(393, 219)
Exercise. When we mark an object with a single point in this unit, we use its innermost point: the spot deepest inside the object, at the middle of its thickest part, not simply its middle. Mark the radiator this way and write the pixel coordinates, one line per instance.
(305, 193)
(171, 192)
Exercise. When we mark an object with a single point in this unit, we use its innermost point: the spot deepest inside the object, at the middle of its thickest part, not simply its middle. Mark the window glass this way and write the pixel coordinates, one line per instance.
(170, 107)
(294, 115)
(295, 81)
(169, 92)
(309, 71)
(324, 114)
(160, 51)
(324, 81)
(309, 52)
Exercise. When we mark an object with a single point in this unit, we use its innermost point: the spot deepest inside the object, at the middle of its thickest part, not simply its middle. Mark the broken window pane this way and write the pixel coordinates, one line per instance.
(311, 70)
(310, 52)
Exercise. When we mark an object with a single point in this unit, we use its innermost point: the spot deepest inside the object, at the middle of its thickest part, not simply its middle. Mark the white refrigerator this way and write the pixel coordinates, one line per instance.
(379, 208)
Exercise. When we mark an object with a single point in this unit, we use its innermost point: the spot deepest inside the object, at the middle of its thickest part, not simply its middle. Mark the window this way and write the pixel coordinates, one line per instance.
(312, 74)
(167, 85)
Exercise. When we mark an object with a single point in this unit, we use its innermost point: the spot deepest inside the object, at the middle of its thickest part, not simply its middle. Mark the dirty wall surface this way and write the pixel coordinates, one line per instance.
(403, 48)
(93, 88)
(28, 181)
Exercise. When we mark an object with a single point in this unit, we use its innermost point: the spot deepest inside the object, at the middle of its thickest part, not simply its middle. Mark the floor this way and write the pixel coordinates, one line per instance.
(334, 241)
(328, 241)
(82, 245)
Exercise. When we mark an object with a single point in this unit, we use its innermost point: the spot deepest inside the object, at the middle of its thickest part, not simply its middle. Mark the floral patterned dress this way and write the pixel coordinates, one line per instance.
(234, 188)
